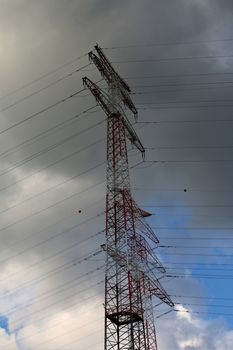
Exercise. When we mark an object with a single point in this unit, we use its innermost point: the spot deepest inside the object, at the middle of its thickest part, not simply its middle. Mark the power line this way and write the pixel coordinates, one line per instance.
(57, 234)
(52, 147)
(193, 228)
(196, 254)
(184, 263)
(46, 132)
(70, 284)
(164, 313)
(158, 148)
(48, 149)
(182, 84)
(51, 292)
(65, 298)
(194, 247)
(182, 190)
(198, 238)
(183, 90)
(203, 313)
(89, 347)
(183, 269)
(52, 188)
(191, 206)
(55, 185)
(191, 215)
(76, 293)
(72, 295)
(201, 297)
(189, 101)
(204, 305)
(77, 328)
(50, 238)
(188, 121)
(65, 231)
(56, 203)
(48, 227)
(68, 332)
(34, 115)
(60, 268)
(165, 105)
(43, 209)
(194, 312)
(42, 76)
(169, 59)
(156, 92)
(195, 297)
(51, 206)
(89, 336)
(77, 261)
(214, 277)
(177, 43)
(55, 255)
(177, 161)
(159, 76)
(36, 172)
(43, 88)
(186, 107)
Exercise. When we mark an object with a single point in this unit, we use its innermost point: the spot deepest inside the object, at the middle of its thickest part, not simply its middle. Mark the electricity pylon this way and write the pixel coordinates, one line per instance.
(130, 281)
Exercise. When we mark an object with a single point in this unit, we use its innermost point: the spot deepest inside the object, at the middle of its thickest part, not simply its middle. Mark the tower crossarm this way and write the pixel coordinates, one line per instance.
(129, 103)
(106, 69)
(139, 215)
(110, 109)
(112, 77)
(157, 290)
(155, 262)
(156, 287)
(143, 227)
(127, 262)
(100, 97)
(132, 136)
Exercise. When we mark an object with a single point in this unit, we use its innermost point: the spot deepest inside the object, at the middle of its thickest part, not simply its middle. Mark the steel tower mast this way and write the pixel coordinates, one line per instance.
(130, 281)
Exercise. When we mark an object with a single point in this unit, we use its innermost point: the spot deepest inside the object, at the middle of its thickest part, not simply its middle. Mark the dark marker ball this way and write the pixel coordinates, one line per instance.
(80, 211)
(185, 190)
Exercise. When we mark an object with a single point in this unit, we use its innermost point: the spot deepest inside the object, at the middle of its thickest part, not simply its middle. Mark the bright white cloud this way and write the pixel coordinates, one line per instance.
(81, 327)
(185, 331)
(7, 342)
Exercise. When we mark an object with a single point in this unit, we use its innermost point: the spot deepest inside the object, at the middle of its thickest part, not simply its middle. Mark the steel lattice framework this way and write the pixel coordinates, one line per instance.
(130, 280)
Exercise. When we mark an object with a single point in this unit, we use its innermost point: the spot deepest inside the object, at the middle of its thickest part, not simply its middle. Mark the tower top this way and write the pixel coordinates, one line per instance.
(113, 79)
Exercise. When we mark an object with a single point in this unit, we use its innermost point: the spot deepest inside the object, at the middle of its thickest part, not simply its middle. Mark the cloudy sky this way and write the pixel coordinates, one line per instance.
(177, 55)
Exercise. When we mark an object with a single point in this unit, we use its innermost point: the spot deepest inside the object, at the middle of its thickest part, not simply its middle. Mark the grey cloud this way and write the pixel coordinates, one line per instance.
(44, 35)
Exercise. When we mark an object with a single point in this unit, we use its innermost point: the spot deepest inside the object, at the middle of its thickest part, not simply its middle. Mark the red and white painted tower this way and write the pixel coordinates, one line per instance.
(130, 281)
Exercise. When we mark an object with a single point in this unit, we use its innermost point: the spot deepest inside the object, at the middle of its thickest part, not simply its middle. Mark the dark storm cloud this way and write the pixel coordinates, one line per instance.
(191, 19)
(37, 36)
(191, 16)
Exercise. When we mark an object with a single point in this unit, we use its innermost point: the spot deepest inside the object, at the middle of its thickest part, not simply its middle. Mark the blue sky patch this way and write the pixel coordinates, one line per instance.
(4, 324)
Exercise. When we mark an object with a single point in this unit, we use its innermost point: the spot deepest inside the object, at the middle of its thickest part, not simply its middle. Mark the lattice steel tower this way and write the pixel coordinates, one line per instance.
(130, 281)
